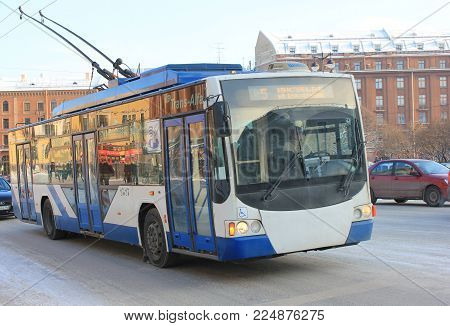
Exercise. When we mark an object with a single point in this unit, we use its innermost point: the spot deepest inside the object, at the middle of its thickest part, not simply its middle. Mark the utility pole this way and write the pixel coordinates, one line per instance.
(219, 50)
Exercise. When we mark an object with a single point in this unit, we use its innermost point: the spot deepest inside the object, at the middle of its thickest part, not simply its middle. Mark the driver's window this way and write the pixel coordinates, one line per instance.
(403, 169)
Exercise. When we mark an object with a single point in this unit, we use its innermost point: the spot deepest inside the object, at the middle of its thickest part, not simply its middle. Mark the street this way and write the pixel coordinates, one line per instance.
(407, 262)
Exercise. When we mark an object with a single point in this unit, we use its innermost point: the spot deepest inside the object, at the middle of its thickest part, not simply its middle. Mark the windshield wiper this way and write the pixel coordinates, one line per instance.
(356, 163)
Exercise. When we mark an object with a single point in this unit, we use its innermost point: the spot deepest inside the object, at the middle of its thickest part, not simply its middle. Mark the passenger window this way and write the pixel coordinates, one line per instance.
(383, 169)
(403, 169)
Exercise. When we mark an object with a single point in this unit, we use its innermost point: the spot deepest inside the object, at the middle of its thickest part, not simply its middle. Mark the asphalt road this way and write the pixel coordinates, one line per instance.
(406, 263)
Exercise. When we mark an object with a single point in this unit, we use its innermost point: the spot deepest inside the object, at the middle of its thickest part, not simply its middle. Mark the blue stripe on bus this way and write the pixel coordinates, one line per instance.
(127, 234)
(63, 221)
(360, 231)
(244, 247)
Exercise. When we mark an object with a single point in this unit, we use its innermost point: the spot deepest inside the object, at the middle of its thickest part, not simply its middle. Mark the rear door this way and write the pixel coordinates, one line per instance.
(24, 173)
(405, 184)
(381, 179)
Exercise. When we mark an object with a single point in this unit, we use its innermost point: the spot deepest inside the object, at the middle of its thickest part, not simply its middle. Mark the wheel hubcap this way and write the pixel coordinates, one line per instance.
(433, 196)
(154, 240)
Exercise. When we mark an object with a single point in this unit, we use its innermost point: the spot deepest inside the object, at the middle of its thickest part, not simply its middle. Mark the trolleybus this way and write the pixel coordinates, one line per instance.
(203, 160)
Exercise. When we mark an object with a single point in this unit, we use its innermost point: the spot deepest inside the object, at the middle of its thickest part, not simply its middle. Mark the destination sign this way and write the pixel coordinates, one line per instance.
(289, 92)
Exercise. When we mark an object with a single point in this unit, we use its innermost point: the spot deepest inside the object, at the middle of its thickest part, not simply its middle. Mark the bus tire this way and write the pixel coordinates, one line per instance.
(433, 197)
(48, 220)
(154, 241)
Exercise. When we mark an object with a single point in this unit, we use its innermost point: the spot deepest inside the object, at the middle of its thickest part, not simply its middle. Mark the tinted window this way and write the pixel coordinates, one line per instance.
(4, 185)
(402, 169)
(383, 169)
(430, 167)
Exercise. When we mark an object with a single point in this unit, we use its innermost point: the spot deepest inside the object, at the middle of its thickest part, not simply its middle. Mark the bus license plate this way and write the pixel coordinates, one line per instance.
(4, 208)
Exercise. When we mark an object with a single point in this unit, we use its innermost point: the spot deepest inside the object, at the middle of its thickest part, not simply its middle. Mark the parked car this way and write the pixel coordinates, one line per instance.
(6, 207)
(403, 180)
(446, 164)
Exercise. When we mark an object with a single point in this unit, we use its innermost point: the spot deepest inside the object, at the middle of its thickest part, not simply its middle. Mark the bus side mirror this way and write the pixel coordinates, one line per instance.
(222, 119)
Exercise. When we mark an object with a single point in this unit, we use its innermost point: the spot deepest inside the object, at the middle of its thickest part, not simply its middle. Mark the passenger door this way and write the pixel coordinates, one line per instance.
(24, 173)
(381, 179)
(86, 183)
(188, 197)
(406, 181)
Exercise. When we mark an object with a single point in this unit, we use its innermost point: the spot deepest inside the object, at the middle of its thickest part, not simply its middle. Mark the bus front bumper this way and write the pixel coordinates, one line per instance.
(360, 231)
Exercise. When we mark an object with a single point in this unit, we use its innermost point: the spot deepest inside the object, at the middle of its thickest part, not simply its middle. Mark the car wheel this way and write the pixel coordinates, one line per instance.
(48, 220)
(155, 250)
(433, 197)
(400, 200)
(372, 197)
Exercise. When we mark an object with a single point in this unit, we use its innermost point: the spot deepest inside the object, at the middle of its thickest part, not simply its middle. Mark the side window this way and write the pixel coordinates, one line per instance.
(220, 183)
(383, 169)
(403, 169)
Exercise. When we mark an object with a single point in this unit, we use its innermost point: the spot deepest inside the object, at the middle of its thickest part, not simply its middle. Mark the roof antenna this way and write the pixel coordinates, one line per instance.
(116, 64)
(103, 72)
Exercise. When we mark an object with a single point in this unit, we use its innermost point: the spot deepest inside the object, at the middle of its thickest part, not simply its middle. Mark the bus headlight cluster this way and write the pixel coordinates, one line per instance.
(241, 228)
(362, 212)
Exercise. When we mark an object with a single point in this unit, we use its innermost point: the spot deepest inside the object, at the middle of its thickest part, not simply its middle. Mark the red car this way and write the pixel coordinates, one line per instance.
(402, 180)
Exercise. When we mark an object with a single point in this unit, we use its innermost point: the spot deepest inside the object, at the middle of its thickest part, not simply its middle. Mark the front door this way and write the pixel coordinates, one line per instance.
(187, 184)
(86, 183)
(25, 182)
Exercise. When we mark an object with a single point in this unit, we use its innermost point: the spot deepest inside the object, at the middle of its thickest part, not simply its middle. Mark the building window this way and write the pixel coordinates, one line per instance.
(5, 106)
(378, 65)
(5, 140)
(400, 64)
(398, 47)
(423, 117)
(379, 101)
(421, 81)
(420, 46)
(380, 119)
(40, 106)
(26, 107)
(379, 83)
(27, 121)
(400, 82)
(401, 118)
(443, 82)
(357, 66)
(335, 48)
(442, 64)
(421, 64)
(401, 100)
(358, 83)
(292, 50)
(378, 47)
(53, 104)
(422, 101)
(5, 123)
(313, 49)
(443, 99)
(40, 118)
(444, 115)
(356, 48)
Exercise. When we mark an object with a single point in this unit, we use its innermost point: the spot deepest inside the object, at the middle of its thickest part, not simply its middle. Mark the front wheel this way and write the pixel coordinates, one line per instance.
(48, 219)
(155, 249)
(433, 197)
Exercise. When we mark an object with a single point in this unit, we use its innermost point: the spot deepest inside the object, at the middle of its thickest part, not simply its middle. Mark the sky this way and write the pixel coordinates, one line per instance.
(155, 33)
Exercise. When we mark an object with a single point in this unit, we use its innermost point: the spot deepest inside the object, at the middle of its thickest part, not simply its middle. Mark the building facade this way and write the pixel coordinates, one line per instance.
(401, 81)
(25, 105)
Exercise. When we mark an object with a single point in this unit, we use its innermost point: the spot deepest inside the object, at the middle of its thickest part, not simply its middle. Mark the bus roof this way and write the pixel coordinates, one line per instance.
(150, 80)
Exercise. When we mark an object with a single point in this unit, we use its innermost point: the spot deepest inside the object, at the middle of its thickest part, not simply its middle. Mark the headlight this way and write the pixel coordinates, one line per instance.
(255, 226)
(364, 211)
(242, 227)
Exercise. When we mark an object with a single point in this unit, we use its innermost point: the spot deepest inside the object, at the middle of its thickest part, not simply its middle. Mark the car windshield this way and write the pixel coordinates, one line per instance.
(430, 167)
(4, 185)
(277, 120)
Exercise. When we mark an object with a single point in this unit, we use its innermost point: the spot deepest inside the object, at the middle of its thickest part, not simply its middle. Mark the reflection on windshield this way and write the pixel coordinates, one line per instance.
(324, 138)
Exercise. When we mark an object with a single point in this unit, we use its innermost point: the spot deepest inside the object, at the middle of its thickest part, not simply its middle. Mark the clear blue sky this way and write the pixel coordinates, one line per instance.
(155, 33)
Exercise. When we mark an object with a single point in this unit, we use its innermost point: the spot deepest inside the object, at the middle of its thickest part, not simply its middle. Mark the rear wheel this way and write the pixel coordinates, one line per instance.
(48, 219)
(373, 197)
(433, 197)
(400, 200)
(155, 249)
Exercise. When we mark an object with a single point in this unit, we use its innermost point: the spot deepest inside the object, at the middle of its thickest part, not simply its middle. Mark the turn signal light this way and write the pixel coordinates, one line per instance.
(374, 211)
(231, 229)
